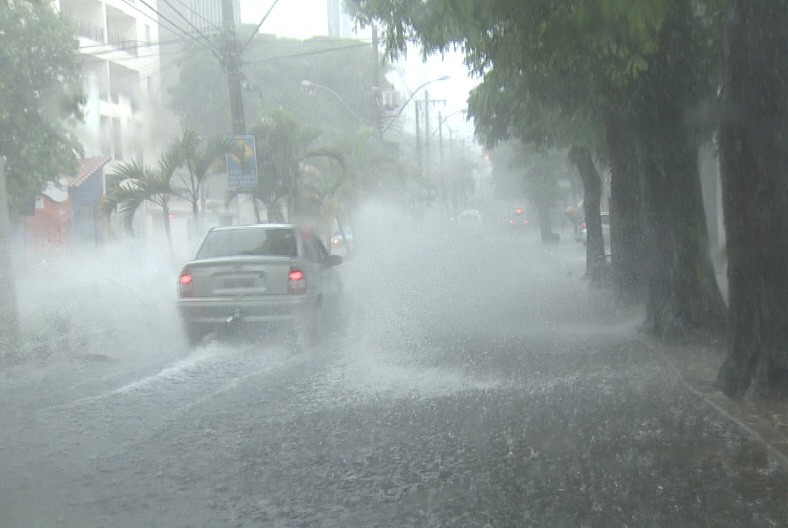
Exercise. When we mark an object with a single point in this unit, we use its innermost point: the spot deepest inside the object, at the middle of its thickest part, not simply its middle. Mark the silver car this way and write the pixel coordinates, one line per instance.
(259, 278)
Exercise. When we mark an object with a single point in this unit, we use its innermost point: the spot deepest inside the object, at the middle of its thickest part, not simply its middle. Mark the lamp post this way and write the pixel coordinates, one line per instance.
(412, 95)
(309, 85)
(439, 130)
(442, 119)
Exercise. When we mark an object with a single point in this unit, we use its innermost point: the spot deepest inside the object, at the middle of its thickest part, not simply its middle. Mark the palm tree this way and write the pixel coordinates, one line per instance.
(325, 184)
(131, 184)
(282, 145)
(200, 160)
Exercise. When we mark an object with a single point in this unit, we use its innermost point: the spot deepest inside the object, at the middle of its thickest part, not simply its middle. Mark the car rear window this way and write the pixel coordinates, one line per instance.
(232, 242)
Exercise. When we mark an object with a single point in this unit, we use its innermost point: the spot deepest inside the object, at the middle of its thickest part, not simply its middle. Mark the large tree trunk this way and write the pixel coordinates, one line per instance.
(592, 184)
(628, 233)
(540, 184)
(682, 289)
(165, 209)
(9, 315)
(754, 159)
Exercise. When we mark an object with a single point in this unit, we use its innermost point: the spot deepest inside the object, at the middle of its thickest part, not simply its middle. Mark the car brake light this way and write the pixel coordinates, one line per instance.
(185, 284)
(296, 281)
(518, 211)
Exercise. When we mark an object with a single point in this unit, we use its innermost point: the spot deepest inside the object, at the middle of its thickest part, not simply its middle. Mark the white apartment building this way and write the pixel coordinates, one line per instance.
(118, 41)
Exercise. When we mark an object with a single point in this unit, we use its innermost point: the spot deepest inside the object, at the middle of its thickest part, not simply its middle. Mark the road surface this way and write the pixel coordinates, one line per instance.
(479, 382)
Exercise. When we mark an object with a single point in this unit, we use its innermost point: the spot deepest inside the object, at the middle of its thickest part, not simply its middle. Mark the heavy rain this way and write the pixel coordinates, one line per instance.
(508, 342)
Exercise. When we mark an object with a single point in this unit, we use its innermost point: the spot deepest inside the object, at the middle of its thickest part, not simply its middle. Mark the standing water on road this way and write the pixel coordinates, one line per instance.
(476, 381)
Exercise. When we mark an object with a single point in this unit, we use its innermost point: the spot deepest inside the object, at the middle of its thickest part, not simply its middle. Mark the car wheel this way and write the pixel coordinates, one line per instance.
(306, 331)
(194, 334)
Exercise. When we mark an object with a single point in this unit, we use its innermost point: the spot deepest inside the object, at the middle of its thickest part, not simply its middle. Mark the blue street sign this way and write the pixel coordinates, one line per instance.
(241, 162)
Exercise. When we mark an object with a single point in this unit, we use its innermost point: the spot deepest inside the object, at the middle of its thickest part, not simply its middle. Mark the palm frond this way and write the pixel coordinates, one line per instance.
(129, 200)
(129, 170)
(170, 160)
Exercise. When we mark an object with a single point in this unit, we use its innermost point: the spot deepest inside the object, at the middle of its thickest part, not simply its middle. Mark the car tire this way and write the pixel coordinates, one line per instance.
(307, 331)
(194, 334)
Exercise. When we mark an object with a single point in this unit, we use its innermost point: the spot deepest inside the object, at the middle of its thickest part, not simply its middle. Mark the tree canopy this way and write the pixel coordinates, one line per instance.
(563, 73)
(40, 97)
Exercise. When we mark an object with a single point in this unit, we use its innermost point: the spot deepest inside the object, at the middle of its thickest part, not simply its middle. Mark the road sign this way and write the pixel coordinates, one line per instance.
(241, 162)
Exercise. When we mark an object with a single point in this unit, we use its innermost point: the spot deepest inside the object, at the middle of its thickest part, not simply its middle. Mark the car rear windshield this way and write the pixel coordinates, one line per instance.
(232, 242)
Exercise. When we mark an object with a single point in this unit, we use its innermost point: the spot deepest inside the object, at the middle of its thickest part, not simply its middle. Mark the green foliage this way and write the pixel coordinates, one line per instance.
(131, 184)
(551, 69)
(197, 159)
(40, 97)
(282, 144)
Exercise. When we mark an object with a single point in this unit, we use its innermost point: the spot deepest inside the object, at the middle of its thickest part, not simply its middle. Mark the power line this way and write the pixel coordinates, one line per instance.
(155, 20)
(256, 29)
(211, 25)
(108, 47)
(309, 53)
(214, 51)
(185, 18)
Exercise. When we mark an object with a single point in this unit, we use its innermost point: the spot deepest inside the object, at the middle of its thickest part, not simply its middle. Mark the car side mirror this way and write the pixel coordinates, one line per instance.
(333, 260)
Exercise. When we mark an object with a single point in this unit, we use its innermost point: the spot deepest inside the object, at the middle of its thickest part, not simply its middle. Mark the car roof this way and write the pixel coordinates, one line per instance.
(254, 226)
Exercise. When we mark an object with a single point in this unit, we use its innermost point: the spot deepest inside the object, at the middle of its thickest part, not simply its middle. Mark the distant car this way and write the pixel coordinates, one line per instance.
(518, 219)
(340, 245)
(470, 218)
(259, 277)
(582, 232)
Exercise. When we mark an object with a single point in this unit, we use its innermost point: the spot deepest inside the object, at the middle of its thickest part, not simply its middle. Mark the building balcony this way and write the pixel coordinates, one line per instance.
(120, 42)
(87, 30)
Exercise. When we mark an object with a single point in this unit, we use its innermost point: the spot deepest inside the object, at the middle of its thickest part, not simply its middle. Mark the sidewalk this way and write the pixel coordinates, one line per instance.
(764, 420)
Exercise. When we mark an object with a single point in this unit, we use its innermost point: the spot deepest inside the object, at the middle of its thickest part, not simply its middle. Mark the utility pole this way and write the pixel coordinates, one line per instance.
(377, 94)
(418, 141)
(441, 167)
(232, 63)
(427, 134)
(9, 316)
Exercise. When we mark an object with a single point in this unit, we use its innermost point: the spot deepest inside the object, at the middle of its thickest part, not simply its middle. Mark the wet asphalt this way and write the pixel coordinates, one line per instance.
(477, 381)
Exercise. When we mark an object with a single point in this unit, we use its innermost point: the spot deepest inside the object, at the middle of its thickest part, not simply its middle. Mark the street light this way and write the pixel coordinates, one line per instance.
(309, 85)
(412, 95)
(444, 118)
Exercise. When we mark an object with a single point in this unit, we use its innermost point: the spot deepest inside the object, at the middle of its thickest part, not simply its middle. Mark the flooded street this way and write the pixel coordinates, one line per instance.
(477, 382)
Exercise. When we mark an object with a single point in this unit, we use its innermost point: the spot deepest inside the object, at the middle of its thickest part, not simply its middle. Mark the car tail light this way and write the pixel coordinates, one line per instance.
(335, 241)
(583, 225)
(296, 281)
(185, 284)
(525, 220)
(511, 221)
(518, 211)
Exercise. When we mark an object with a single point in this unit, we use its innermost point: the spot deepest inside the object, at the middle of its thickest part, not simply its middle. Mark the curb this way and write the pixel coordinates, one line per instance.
(696, 366)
